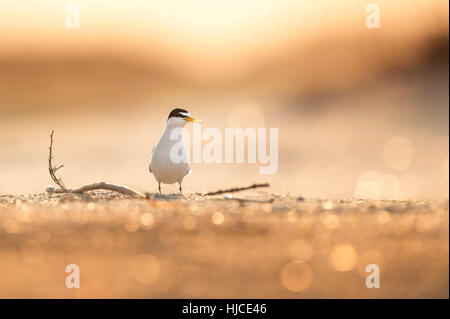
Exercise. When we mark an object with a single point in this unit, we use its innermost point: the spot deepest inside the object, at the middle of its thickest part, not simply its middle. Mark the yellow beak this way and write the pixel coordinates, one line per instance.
(191, 119)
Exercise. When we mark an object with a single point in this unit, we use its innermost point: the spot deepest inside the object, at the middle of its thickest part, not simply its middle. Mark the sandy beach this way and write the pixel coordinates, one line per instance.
(221, 246)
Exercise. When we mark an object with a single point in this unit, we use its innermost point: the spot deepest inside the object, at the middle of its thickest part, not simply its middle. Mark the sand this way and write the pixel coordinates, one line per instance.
(193, 246)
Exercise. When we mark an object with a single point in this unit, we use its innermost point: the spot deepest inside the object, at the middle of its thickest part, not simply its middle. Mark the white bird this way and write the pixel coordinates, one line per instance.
(162, 164)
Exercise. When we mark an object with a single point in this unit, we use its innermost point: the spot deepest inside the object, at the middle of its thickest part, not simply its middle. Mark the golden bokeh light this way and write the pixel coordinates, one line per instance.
(327, 205)
(147, 219)
(189, 222)
(343, 257)
(267, 208)
(291, 216)
(217, 218)
(132, 222)
(132, 227)
(296, 276)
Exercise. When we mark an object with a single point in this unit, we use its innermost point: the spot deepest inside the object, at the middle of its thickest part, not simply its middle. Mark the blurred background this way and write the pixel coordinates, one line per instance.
(361, 112)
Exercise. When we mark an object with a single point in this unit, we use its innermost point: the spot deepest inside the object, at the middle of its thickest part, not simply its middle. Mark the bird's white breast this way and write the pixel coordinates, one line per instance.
(162, 166)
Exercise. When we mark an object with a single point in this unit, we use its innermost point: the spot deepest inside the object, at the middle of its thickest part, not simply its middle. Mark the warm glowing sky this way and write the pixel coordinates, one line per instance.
(209, 22)
(203, 29)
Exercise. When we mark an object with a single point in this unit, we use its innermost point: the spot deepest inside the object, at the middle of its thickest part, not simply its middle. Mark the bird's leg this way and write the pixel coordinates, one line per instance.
(159, 187)
(181, 190)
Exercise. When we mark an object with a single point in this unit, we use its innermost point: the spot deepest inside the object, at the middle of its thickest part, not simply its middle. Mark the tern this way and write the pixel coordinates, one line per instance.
(162, 166)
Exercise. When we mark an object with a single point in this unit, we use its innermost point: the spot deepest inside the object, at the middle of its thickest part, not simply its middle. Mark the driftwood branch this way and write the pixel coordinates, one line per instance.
(95, 186)
(235, 189)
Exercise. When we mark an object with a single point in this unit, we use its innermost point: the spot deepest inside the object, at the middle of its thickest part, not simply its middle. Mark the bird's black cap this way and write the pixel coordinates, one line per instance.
(178, 113)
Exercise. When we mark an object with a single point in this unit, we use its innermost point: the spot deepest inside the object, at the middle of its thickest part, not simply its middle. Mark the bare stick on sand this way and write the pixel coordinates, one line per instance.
(235, 189)
(52, 169)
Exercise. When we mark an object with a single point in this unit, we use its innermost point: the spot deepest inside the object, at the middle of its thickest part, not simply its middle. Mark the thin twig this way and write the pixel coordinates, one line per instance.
(51, 169)
(247, 200)
(57, 168)
(235, 189)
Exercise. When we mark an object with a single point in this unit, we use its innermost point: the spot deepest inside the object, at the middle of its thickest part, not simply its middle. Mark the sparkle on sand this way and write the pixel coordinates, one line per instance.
(206, 247)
